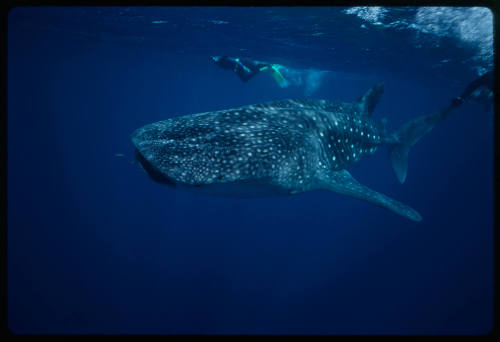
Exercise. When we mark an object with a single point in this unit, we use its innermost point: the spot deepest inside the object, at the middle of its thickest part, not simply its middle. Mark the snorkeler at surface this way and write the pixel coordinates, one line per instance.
(246, 68)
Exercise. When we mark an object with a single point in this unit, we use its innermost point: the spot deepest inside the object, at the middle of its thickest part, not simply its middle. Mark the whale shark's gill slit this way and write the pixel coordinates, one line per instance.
(153, 172)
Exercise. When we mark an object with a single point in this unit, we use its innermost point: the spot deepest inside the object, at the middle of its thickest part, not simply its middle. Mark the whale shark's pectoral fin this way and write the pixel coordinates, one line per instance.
(343, 183)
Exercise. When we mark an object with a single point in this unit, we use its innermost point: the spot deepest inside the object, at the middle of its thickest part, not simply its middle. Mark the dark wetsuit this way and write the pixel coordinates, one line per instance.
(485, 81)
(244, 68)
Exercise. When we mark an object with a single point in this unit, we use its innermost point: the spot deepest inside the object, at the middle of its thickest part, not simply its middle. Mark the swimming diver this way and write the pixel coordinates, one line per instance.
(247, 69)
(480, 90)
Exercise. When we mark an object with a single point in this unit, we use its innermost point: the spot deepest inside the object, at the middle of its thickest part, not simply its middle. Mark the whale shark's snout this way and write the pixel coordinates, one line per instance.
(145, 139)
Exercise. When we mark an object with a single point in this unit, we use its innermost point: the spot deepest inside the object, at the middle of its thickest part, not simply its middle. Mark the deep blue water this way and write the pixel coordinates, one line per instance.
(95, 246)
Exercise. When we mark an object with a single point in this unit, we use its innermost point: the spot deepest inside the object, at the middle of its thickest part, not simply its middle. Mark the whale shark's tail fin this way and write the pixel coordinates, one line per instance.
(405, 137)
(400, 142)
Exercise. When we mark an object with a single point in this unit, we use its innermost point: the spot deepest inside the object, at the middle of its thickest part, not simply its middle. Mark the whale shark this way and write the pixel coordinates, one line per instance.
(282, 147)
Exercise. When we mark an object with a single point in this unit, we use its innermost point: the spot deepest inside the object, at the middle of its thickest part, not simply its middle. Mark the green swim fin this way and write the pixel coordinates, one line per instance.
(278, 77)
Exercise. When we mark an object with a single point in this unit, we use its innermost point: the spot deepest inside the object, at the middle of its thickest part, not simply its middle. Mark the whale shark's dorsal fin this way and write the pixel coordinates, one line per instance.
(369, 100)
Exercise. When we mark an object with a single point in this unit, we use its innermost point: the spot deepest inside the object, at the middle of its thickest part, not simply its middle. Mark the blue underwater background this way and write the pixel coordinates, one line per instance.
(95, 246)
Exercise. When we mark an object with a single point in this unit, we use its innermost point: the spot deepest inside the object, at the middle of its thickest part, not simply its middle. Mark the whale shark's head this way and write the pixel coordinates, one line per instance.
(143, 138)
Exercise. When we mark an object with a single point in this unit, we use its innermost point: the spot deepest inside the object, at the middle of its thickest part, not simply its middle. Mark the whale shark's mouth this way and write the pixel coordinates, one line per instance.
(153, 172)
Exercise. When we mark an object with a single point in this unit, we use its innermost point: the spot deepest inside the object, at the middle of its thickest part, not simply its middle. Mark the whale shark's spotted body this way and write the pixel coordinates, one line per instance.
(275, 148)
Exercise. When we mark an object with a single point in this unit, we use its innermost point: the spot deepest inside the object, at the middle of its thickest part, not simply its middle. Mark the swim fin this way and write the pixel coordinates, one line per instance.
(278, 77)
